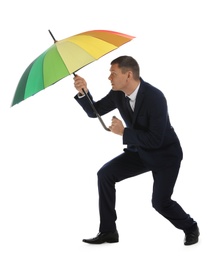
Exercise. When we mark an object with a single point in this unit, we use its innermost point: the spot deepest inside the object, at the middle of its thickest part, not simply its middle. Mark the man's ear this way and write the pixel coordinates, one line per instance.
(130, 74)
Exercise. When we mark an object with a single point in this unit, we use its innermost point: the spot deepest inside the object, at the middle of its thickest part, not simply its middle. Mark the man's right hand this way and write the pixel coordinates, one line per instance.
(80, 84)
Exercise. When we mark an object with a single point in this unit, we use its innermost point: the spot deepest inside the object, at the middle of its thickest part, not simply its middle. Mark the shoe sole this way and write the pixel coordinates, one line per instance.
(112, 241)
(189, 244)
(100, 242)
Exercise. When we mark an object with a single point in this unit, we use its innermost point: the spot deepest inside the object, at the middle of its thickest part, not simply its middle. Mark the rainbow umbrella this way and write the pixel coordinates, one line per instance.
(65, 57)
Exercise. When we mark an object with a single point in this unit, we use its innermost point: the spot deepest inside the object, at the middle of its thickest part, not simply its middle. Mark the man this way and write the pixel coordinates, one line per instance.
(152, 145)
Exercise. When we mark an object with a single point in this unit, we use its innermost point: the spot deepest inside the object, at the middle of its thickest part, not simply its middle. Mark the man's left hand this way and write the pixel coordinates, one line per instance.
(116, 126)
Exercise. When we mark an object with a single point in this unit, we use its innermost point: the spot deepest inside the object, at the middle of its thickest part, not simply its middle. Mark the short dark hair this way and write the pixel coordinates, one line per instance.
(128, 63)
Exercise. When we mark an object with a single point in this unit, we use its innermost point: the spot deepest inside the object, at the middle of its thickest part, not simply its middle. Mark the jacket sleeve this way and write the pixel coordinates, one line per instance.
(84, 103)
(102, 106)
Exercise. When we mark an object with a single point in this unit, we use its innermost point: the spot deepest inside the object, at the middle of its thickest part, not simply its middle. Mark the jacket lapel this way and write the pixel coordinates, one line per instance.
(139, 100)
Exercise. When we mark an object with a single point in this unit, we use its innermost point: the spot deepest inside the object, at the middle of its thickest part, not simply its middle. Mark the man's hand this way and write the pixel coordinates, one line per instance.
(116, 126)
(80, 84)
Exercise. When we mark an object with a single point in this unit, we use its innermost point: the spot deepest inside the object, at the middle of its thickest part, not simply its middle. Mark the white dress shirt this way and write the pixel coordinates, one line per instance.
(132, 98)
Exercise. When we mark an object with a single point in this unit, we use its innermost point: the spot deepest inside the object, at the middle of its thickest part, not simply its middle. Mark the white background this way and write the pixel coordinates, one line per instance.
(50, 150)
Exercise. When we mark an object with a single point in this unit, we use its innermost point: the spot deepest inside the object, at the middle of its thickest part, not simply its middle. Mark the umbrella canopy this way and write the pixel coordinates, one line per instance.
(65, 57)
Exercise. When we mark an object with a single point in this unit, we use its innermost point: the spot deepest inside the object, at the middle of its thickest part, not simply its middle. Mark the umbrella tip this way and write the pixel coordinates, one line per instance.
(52, 36)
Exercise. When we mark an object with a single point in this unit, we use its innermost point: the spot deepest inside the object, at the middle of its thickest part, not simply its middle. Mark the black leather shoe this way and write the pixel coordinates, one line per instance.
(191, 237)
(101, 238)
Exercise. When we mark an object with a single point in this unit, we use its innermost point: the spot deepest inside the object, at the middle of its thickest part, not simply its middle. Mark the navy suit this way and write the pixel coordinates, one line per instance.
(152, 145)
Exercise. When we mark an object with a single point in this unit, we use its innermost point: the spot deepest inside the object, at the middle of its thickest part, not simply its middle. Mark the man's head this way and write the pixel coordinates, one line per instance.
(124, 74)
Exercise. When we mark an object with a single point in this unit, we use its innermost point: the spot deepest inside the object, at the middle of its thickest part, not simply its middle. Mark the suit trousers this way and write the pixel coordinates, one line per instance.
(129, 164)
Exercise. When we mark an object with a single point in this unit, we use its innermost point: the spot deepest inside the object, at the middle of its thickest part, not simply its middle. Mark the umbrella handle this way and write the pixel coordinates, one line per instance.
(95, 111)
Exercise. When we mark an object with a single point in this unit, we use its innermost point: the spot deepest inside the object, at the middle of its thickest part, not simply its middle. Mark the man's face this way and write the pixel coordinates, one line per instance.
(117, 78)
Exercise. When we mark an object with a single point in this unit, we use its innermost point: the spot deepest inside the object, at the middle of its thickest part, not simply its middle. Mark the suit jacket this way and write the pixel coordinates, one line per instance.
(149, 131)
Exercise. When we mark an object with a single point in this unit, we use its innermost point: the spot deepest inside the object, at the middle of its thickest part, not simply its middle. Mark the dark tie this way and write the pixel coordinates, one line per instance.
(129, 107)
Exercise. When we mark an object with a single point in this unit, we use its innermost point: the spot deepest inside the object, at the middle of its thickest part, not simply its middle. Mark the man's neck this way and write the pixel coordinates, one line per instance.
(132, 88)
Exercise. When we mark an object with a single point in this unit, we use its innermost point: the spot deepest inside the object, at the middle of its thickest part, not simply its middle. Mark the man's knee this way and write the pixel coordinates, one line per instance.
(105, 174)
(161, 205)
(102, 173)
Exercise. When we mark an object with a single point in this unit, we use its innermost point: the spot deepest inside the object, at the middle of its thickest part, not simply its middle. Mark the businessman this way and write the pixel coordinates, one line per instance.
(151, 146)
